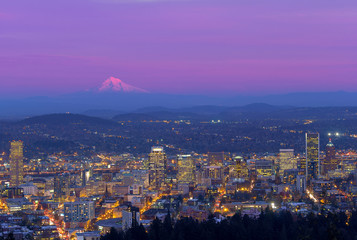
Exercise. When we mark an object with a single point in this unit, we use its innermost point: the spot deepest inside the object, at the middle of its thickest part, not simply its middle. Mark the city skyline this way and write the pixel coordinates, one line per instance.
(178, 47)
(178, 120)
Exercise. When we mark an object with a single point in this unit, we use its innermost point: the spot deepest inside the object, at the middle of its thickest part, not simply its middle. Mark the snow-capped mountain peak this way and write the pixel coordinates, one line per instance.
(117, 85)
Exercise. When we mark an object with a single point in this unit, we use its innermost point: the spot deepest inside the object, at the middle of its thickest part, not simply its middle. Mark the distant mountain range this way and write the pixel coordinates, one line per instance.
(65, 119)
(258, 111)
(115, 96)
(204, 113)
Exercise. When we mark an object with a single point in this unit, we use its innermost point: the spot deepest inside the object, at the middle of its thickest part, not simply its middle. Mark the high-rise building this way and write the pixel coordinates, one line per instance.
(312, 156)
(330, 151)
(301, 183)
(157, 168)
(13, 192)
(216, 158)
(242, 168)
(330, 162)
(131, 217)
(214, 173)
(86, 173)
(16, 163)
(264, 167)
(290, 176)
(301, 165)
(186, 169)
(84, 177)
(286, 160)
(80, 211)
(61, 186)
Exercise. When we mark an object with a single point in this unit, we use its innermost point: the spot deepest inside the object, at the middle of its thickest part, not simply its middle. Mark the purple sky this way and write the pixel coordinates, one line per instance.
(182, 46)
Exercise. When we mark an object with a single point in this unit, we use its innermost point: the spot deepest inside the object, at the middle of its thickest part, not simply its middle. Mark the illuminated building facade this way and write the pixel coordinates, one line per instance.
(131, 217)
(186, 169)
(85, 175)
(330, 162)
(214, 173)
(312, 156)
(80, 211)
(301, 165)
(330, 151)
(264, 167)
(157, 168)
(242, 168)
(348, 166)
(286, 160)
(16, 163)
(290, 176)
(13, 192)
(216, 158)
(61, 186)
(301, 183)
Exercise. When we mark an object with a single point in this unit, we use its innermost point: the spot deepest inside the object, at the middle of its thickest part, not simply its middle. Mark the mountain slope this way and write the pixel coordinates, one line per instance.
(116, 85)
(64, 119)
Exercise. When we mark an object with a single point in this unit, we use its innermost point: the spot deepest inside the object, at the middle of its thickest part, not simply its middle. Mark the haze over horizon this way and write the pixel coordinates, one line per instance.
(178, 47)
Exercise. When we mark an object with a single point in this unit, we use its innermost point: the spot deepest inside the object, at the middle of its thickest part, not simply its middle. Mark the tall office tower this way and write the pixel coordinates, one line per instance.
(216, 158)
(83, 178)
(131, 217)
(215, 173)
(242, 168)
(301, 165)
(286, 160)
(301, 183)
(186, 169)
(157, 168)
(16, 163)
(330, 162)
(86, 173)
(312, 156)
(61, 186)
(80, 211)
(330, 151)
(264, 167)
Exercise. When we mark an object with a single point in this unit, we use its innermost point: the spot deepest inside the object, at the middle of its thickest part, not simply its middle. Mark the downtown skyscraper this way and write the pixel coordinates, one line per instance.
(312, 156)
(330, 162)
(186, 169)
(286, 160)
(157, 168)
(61, 184)
(16, 163)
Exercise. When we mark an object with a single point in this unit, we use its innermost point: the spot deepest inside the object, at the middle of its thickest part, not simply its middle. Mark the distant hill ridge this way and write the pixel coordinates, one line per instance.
(66, 118)
(116, 95)
(257, 111)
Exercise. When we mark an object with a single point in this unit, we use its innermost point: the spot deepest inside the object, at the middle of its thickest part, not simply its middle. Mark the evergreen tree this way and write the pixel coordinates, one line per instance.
(167, 226)
(154, 231)
(268, 226)
(136, 233)
(10, 236)
(112, 235)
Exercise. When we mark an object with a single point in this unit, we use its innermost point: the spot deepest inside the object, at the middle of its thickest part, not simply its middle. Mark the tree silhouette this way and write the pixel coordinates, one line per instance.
(268, 226)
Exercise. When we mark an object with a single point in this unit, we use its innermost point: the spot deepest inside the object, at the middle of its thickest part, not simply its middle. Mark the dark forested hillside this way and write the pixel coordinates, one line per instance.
(268, 226)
